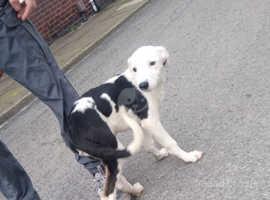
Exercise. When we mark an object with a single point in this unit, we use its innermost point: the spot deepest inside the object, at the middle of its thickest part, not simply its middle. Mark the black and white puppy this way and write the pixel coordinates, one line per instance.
(130, 100)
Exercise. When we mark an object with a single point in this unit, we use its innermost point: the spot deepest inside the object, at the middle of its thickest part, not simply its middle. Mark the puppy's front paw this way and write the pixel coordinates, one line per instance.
(138, 189)
(163, 153)
(193, 156)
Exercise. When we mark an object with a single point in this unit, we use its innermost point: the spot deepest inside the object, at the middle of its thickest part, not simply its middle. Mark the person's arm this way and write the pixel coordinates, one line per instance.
(23, 7)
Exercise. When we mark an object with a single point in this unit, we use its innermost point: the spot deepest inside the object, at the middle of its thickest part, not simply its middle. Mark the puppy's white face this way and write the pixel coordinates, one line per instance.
(146, 66)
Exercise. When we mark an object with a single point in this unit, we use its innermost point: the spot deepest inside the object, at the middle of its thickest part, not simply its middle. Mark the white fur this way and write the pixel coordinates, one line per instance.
(83, 104)
(141, 60)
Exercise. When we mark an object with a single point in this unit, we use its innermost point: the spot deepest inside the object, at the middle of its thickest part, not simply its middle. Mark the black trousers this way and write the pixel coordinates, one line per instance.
(26, 58)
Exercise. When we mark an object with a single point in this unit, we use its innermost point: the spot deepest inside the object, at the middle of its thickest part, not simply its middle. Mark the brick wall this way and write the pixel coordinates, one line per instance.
(54, 17)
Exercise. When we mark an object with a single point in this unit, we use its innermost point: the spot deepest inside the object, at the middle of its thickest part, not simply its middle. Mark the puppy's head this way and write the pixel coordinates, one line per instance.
(146, 66)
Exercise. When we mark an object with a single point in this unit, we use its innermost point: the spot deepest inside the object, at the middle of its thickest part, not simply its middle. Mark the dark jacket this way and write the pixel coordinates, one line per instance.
(3, 3)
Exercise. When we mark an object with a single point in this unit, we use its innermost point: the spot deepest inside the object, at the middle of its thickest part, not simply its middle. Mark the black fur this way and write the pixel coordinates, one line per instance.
(123, 93)
(89, 133)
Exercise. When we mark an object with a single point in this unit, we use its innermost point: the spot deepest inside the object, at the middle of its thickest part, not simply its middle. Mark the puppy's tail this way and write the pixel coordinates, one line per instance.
(111, 154)
(105, 153)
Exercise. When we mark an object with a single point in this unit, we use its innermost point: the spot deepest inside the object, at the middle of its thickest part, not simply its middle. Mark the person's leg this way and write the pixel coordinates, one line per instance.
(26, 58)
(14, 182)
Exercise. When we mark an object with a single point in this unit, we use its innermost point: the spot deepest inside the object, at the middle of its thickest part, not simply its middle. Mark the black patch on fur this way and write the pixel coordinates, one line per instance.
(89, 133)
(123, 93)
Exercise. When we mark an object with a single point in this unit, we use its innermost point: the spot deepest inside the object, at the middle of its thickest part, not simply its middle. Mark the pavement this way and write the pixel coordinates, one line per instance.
(70, 49)
(217, 101)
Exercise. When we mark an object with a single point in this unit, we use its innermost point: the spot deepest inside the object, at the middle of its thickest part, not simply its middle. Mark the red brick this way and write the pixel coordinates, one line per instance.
(52, 16)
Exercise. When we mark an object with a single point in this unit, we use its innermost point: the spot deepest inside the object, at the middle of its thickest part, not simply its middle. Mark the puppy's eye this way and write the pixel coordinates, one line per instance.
(152, 63)
(165, 62)
(134, 69)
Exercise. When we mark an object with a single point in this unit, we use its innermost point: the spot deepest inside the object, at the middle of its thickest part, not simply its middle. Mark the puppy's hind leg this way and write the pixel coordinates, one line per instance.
(124, 186)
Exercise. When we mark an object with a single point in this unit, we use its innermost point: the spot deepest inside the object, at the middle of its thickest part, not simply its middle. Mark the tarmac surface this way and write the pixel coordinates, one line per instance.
(217, 101)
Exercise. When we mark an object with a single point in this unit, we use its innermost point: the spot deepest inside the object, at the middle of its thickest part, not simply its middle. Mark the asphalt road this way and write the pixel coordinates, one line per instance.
(218, 101)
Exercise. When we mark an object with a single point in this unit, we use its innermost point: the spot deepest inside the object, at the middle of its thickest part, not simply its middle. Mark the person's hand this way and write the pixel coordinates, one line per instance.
(23, 9)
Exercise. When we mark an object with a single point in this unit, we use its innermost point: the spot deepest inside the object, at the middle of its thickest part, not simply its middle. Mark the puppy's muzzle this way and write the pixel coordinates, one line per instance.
(144, 85)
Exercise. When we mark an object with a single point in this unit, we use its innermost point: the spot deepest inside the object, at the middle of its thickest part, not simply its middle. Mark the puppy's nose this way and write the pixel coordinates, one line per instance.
(144, 85)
